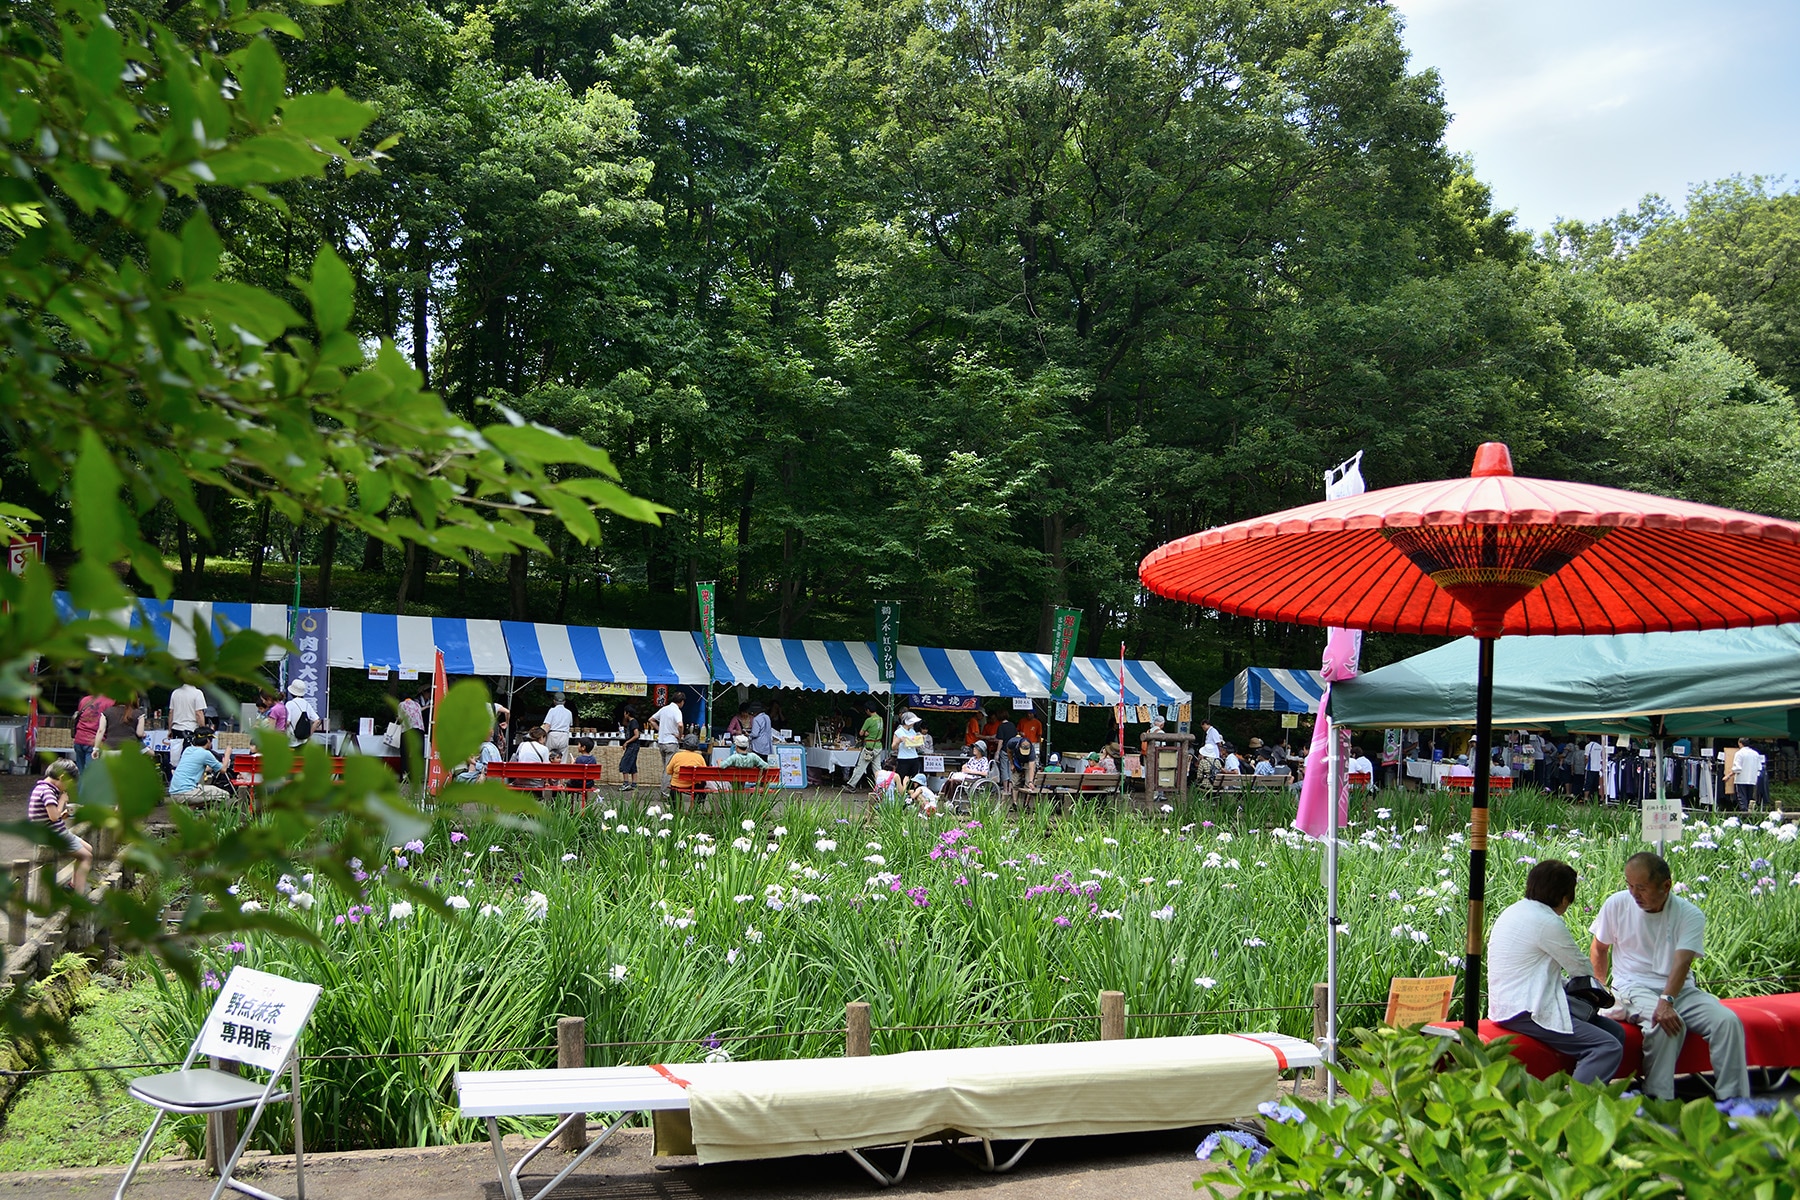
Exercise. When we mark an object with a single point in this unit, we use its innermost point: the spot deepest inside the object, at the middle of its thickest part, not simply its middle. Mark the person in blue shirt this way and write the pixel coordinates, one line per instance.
(189, 784)
(762, 732)
(586, 756)
(743, 755)
(475, 770)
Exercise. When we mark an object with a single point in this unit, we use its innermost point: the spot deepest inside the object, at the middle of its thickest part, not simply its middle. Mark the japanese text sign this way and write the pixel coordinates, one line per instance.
(257, 1017)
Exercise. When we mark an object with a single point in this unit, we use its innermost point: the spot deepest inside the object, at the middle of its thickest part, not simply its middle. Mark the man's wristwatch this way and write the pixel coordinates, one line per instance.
(1666, 998)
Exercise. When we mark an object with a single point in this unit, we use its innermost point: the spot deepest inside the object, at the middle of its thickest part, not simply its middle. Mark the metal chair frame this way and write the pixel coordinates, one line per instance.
(258, 1102)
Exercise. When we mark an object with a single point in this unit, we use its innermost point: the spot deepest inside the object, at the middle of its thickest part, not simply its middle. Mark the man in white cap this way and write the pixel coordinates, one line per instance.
(741, 755)
(303, 718)
(557, 724)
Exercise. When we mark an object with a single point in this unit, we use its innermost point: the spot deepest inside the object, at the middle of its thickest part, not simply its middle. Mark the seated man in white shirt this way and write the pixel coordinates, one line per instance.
(1359, 764)
(1531, 954)
(1650, 937)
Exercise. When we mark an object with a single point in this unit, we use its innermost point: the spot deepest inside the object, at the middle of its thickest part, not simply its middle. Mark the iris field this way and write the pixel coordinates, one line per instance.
(745, 932)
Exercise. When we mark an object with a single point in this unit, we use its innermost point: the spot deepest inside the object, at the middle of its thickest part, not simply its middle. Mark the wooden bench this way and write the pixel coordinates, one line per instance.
(1061, 785)
(698, 780)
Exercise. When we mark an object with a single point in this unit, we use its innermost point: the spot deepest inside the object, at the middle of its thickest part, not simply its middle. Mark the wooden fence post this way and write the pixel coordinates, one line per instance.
(858, 1037)
(221, 1128)
(571, 1053)
(1321, 1020)
(1112, 1016)
(16, 918)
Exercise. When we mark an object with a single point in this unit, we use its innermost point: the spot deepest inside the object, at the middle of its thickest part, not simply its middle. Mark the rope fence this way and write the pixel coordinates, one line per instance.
(839, 1031)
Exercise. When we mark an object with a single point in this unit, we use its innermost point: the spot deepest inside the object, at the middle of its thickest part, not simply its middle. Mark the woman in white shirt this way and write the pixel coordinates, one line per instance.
(1530, 951)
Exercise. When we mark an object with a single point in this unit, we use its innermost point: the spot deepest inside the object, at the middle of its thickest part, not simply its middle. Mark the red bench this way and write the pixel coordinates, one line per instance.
(1771, 1041)
(695, 780)
(1496, 783)
(573, 778)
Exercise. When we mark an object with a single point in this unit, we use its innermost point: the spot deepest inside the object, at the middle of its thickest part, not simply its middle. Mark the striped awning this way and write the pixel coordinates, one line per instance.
(1272, 689)
(584, 653)
(359, 641)
(851, 667)
(170, 624)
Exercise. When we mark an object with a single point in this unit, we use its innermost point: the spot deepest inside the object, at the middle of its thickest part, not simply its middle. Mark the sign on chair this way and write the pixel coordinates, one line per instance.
(257, 1017)
(1419, 1001)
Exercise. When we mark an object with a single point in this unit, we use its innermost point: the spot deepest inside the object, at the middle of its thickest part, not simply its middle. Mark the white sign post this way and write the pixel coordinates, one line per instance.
(1662, 820)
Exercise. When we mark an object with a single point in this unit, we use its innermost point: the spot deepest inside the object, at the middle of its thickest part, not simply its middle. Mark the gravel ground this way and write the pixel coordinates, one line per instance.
(1122, 1167)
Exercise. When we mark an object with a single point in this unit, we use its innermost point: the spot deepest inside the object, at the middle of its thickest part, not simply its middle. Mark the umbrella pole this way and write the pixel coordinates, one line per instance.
(1334, 769)
(1478, 830)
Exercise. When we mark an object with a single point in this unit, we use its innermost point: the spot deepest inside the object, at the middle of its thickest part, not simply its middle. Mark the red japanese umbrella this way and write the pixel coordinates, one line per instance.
(1491, 555)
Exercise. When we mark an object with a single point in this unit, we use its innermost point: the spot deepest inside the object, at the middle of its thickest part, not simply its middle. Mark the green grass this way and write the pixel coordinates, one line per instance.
(87, 1120)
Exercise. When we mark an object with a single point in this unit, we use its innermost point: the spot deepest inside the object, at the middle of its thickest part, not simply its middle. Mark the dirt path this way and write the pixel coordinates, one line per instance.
(1120, 1167)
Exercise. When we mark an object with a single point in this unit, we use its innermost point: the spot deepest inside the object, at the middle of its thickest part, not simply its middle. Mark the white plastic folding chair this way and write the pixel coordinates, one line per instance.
(256, 1020)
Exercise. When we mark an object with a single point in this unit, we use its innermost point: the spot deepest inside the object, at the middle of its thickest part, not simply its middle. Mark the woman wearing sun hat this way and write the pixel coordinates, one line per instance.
(909, 740)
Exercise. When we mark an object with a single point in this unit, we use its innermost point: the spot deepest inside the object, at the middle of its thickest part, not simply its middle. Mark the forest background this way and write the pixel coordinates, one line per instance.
(971, 304)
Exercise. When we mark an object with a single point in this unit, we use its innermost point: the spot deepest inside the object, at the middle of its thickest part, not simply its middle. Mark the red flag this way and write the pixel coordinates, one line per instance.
(434, 771)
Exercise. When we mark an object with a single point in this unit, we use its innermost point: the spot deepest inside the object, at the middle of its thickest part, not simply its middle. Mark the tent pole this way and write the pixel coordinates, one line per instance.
(1478, 831)
(1333, 782)
(1661, 842)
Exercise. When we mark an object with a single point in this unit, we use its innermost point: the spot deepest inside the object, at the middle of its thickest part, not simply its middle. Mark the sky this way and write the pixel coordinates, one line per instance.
(1578, 108)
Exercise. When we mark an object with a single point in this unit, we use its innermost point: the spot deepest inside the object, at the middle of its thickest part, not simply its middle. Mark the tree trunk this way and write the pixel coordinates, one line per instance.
(258, 550)
(792, 540)
(421, 311)
(406, 574)
(205, 541)
(1059, 581)
(516, 578)
(743, 549)
(327, 558)
(372, 557)
(562, 595)
(186, 552)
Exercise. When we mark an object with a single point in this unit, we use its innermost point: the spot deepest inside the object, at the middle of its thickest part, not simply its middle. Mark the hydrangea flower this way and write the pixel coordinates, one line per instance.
(1214, 1141)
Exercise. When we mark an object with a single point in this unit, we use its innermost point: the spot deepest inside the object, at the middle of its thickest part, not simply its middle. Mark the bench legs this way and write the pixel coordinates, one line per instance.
(510, 1186)
(987, 1149)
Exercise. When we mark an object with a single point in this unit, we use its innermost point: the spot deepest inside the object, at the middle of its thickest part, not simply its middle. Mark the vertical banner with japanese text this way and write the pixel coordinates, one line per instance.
(440, 687)
(1065, 627)
(887, 639)
(708, 597)
(309, 661)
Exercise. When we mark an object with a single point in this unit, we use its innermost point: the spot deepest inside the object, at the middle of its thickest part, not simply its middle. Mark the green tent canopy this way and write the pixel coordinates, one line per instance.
(1724, 683)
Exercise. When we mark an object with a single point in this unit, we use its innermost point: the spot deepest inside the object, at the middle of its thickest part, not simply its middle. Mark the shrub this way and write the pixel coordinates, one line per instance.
(1485, 1128)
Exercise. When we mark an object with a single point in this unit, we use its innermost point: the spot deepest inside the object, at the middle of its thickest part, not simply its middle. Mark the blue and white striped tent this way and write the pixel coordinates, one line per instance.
(1272, 689)
(587, 653)
(170, 623)
(851, 667)
(363, 640)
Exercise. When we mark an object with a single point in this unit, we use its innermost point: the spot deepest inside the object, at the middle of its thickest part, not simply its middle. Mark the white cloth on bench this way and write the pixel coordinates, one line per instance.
(751, 1110)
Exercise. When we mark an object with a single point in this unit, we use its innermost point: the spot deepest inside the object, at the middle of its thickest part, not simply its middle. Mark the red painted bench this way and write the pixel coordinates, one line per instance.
(1771, 1040)
(1496, 783)
(695, 780)
(580, 779)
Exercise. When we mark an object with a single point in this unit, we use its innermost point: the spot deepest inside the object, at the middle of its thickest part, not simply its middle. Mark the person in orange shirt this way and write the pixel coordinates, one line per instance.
(972, 731)
(990, 726)
(680, 763)
(1031, 728)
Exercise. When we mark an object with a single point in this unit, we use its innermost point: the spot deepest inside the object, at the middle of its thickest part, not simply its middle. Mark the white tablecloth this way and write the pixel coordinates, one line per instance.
(1432, 774)
(821, 758)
